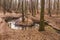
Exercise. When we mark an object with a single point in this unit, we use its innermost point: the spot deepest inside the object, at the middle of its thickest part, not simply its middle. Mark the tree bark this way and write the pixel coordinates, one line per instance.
(57, 7)
(54, 4)
(22, 13)
(41, 28)
(49, 9)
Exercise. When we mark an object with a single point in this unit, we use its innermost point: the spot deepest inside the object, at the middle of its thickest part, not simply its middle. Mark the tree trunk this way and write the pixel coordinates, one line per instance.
(0, 4)
(4, 6)
(26, 7)
(49, 9)
(37, 6)
(32, 7)
(54, 4)
(22, 12)
(57, 7)
(18, 5)
(42, 16)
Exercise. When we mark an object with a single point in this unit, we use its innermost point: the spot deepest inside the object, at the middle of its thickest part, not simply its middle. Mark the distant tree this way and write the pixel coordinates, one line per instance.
(22, 12)
(26, 6)
(8, 5)
(18, 6)
(14, 5)
(41, 28)
(46, 5)
(32, 7)
(4, 6)
(37, 5)
(57, 7)
(0, 4)
(49, 9)
(54, 4)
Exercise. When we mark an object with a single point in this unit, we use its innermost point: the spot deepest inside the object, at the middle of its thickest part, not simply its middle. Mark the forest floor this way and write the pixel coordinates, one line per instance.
(6, 33)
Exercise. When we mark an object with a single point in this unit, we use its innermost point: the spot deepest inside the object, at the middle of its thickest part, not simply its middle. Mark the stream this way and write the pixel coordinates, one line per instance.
(13, 26)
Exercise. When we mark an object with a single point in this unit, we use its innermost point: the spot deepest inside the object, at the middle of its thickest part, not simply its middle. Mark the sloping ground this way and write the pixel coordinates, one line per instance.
(54, 22)
(31, 34)
(16, 15)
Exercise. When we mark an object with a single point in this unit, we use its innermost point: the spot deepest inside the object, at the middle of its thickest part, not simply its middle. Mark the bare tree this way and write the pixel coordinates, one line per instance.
(4, 6)
(32, 7)
(26, 6)
(54, 4)
(22, 12)
(57, 7)
(18, 6)
(37, 6)
(0, 4)
(49, 9)
(42, 16)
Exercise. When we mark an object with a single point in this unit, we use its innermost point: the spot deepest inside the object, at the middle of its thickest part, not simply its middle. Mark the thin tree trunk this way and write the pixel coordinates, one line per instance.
(22, 13)
(4, 6)
(10, 5)
(0, 4)
(49, 9)
(57, 7)
(32, 7)
(26, 7)
(18, 5)
(37, 6)
(54, 4)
